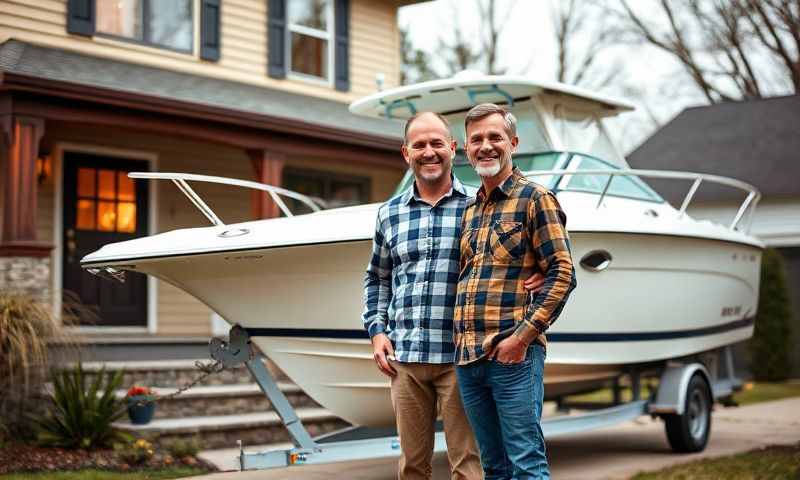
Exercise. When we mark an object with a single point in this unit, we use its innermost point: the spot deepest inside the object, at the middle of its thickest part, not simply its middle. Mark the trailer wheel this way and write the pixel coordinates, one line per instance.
(689, 432)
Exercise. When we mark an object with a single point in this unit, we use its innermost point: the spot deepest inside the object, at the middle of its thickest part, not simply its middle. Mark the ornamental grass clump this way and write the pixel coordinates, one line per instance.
(26, 326)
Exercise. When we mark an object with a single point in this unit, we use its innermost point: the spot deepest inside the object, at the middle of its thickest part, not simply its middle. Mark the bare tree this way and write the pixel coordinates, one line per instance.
(729, 48)
(415, 64)
(461, 53)
(491, 29)
(457, 52)
(581, 37)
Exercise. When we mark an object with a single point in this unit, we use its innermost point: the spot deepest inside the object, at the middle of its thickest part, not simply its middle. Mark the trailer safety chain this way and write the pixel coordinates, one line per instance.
(207, 370)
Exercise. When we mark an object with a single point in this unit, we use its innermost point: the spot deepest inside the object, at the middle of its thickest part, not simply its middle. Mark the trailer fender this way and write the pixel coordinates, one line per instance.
(671, 395)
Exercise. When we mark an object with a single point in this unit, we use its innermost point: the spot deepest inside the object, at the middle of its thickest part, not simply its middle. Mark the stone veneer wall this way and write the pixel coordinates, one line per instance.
(29, 275)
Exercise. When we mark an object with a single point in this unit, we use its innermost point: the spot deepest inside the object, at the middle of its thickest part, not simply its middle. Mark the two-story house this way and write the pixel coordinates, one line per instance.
(252, 89)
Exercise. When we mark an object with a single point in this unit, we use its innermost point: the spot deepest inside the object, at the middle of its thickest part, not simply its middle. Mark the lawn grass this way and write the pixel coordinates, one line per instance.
(94, 474)
(765, 392)
(751, 393)
(773, 463)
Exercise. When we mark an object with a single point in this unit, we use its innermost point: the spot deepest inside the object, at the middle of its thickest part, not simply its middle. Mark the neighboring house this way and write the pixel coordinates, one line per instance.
(755, 141)
(251, 89)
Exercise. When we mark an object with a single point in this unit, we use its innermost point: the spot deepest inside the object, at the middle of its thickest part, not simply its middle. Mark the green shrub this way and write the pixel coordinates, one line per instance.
(82, 414)
(180, 448)
(771, 342)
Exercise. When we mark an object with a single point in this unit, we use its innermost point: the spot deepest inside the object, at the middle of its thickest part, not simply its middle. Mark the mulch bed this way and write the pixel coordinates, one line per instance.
(28, 458)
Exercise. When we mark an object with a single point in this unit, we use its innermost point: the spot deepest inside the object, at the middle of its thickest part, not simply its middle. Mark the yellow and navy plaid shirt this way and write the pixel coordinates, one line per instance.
(518, 229)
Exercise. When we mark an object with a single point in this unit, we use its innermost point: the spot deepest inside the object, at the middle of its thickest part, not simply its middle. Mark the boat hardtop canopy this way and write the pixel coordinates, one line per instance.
(550, 116)
(469, 88)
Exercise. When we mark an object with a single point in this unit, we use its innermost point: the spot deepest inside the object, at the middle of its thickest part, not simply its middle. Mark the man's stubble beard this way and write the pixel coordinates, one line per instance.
(433, 179)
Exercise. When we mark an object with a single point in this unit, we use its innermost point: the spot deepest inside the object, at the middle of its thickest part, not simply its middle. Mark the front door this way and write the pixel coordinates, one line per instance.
(102, 205)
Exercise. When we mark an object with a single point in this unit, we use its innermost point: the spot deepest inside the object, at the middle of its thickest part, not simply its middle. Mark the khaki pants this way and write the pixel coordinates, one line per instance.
(420, 391)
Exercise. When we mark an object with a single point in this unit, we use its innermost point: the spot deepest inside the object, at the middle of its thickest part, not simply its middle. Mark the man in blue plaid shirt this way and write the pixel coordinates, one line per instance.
(410, 289)
(410, 293)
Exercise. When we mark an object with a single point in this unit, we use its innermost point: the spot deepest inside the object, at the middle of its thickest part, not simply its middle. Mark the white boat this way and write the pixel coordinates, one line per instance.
(653, 283)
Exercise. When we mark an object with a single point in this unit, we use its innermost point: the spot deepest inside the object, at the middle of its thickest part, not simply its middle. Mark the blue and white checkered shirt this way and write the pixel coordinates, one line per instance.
(411, 280)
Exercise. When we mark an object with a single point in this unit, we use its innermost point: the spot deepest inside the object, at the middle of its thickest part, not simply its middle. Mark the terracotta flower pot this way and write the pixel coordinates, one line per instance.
(141, 413)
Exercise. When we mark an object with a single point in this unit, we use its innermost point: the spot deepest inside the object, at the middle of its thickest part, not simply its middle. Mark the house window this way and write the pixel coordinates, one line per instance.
(310, 36)
(163, 23)
(335, 189)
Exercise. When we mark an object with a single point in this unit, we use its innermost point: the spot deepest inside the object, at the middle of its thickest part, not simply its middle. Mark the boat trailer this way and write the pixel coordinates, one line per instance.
(686, 392)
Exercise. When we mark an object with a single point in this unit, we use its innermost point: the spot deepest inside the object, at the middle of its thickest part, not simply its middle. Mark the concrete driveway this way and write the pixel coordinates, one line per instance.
(612, 453)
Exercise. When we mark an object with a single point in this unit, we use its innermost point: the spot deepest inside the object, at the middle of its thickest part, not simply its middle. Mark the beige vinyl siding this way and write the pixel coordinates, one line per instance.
(45, 216)
(374, 46)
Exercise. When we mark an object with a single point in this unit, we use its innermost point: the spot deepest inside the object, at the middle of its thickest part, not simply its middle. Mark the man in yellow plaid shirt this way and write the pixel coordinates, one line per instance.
(512, 229)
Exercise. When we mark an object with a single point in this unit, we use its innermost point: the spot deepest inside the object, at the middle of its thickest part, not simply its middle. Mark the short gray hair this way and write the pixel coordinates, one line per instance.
(479, 112)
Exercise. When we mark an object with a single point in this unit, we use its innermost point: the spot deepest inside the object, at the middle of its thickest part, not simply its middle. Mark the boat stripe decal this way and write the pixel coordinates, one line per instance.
(551, 337)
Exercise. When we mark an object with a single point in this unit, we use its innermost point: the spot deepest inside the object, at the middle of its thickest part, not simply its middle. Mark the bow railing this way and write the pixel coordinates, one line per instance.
(747, 205)
(181, 181)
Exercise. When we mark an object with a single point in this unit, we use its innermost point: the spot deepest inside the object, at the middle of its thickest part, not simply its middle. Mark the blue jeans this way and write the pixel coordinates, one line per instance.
(503, 403)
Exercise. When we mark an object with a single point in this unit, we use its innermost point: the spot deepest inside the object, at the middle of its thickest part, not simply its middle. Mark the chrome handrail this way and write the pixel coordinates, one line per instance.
(181, 179)
(753, 195)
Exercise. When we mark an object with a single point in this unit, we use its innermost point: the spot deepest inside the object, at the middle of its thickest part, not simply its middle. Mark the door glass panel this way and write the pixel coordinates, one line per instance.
(106, 184)
(86, 184)
(125, 191)
(84, 219)
(106, 216)
(126, 217)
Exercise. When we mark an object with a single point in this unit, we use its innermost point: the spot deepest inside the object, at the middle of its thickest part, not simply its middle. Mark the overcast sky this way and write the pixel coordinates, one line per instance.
(528, 46)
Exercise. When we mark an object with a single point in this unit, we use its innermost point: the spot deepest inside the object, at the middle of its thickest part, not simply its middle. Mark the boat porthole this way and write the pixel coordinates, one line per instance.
(596, 260)
(236, 232)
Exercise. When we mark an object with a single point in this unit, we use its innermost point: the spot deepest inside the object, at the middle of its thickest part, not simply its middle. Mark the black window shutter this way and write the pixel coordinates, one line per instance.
(341, 47)
(80, 17)
(209, 29)
(276, 38)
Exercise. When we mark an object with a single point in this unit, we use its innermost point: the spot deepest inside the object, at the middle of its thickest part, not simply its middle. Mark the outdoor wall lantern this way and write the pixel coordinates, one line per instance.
(44, 168)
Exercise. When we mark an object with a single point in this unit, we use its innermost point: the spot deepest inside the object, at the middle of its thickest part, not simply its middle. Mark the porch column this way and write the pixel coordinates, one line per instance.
(24, 260)
(268, 166)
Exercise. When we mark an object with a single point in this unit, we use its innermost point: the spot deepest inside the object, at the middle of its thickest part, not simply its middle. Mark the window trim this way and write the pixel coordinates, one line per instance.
(328, 36)
(143, 42)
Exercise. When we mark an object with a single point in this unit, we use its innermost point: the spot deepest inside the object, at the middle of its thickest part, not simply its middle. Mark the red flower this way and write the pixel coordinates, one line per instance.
(139, 390)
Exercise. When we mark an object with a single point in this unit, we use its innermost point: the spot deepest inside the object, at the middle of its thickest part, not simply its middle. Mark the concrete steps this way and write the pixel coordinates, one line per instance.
(221, 409)
(219, 431)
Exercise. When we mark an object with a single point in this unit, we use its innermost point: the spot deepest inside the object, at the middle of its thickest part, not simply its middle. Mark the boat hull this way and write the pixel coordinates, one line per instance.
(661, 297)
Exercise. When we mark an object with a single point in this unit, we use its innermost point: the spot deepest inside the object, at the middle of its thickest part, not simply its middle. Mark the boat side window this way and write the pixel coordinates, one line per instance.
(621, 186)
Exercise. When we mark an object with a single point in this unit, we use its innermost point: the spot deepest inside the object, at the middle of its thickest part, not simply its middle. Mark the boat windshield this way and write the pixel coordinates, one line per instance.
(621, 186)
(467, 175)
